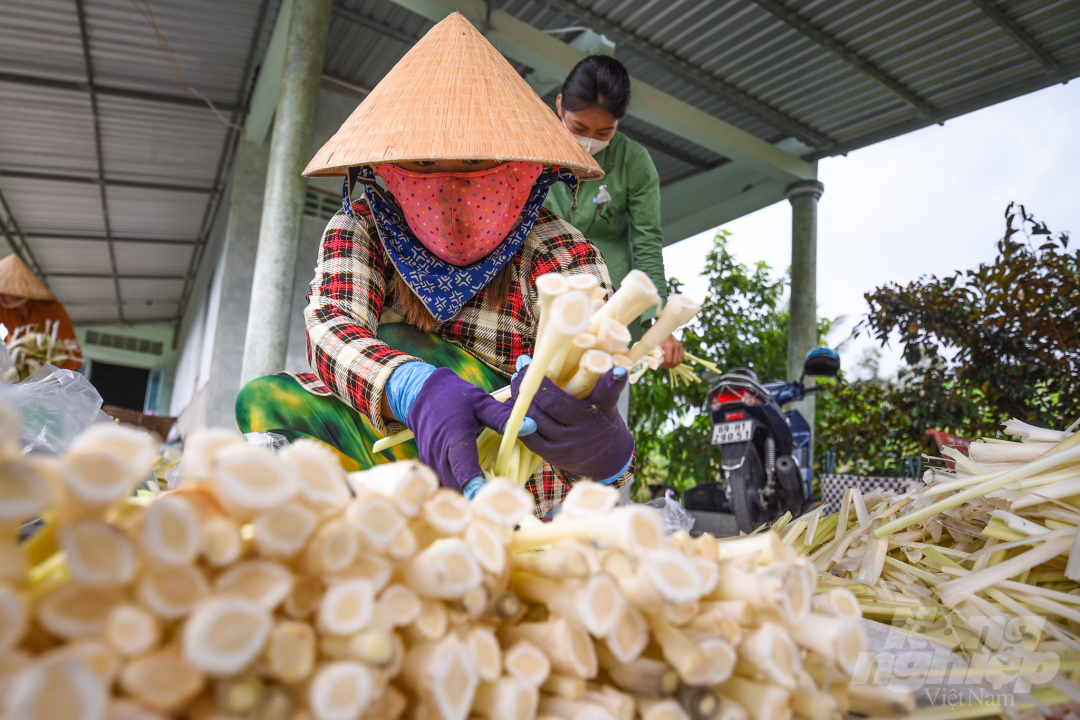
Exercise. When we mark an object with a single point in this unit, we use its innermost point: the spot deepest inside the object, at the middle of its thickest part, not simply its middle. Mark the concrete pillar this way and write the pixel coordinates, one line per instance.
(283, 201)
(802, 322)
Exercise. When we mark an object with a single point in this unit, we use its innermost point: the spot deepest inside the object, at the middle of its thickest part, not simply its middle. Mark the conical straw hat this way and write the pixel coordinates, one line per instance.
(18, 280)
(452, 97)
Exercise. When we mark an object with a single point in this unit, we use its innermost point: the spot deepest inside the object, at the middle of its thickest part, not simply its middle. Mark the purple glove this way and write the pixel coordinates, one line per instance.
(445, 417)
(585, 438)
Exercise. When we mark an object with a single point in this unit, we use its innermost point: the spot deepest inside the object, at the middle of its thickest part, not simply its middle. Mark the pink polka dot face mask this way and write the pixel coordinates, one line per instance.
(462, 217)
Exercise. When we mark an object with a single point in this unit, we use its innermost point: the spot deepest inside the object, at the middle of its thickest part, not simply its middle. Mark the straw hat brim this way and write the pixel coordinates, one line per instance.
(453, 96)
(18, 280)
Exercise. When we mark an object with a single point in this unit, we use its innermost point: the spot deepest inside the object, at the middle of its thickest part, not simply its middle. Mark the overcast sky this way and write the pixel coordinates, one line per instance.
(931, 201)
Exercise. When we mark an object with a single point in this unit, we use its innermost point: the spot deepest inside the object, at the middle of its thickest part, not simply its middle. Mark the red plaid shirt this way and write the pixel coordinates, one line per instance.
(352, 292)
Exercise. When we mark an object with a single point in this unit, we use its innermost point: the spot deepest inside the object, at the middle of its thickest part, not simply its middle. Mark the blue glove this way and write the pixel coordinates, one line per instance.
(472, 487)
(405, 382)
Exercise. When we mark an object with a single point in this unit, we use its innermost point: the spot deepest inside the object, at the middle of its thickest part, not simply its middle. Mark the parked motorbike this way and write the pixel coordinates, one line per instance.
(764, 451)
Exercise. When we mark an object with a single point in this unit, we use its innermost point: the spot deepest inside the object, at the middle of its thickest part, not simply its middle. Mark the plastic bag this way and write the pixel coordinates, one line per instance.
(56, 405)
(271, 440)
(675, 516)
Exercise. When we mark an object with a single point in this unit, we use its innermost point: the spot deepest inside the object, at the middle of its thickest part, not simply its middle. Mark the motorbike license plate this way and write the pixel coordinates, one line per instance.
(732, 432)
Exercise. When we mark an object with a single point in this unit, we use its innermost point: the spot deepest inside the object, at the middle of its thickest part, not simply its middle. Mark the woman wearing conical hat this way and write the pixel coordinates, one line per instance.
(24, 300)
(424, 296)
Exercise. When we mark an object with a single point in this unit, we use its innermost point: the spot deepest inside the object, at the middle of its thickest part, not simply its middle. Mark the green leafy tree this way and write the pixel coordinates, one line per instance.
(999, 341)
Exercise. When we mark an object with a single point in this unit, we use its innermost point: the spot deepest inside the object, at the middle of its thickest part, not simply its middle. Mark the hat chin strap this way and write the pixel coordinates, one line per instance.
(11, 305)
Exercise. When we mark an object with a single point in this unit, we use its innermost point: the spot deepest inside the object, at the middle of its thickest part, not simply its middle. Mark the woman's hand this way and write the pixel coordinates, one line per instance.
(584, 437)
(673, 352)
(445, 412)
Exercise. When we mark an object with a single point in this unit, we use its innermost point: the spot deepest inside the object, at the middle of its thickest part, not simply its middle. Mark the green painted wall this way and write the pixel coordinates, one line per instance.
(154, 332)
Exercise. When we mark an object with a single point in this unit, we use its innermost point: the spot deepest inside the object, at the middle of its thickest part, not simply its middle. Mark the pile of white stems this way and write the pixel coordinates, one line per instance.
(273, 586)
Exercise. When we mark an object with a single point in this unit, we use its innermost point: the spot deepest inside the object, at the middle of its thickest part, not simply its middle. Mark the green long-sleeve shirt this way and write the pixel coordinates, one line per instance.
(625, 228)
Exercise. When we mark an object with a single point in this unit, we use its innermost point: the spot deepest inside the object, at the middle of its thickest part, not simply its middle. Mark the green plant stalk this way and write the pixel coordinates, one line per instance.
(955, 591)
(1026, 471)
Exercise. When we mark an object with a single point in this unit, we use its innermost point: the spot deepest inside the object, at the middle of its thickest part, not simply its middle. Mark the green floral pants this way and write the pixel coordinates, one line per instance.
(277, 403)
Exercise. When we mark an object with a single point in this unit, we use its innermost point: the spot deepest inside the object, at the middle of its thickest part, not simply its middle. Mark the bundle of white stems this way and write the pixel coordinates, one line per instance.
(988, 541)
(579, 338)
(274, 586)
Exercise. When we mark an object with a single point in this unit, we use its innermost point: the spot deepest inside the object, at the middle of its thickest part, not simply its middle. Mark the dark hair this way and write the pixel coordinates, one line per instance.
(598, 81)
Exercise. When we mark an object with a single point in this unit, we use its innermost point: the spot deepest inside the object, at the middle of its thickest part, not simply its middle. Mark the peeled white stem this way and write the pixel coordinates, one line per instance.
(678, 311)
(595, 603)
(760, 700)
(486, 653)
(340, 690)
(548, 287)
(635, 295)
(430, 623)
(322, 481)
(347, 607)
(526, 662)
(613, 337)
(565, 643)
(161, 680)
(170, 532)
(594, 363)
(554, 706)
(131, 630)
(283, 531)
(373, 647)
(447, 512)
(839, 639)
(568, 317)
(630, 636)
(506, 699)
(880, 700)
(290, 651)
(225, 634)
(97, 553)
(620, 705)
(442, 675)
(407, 483)
(263, 581)
(557, 564)
(377, 519)
(642, 676)
(769, 654)
(632, 529)
(445, 569)
(653, 709)
(694, 665)
(577, 348)
(564, 686)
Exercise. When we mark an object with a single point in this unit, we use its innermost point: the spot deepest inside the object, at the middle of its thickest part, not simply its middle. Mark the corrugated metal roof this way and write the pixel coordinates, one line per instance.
(162, 151)
(835, 74)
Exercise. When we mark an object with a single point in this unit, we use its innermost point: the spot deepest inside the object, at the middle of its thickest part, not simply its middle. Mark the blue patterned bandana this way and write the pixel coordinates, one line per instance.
(442, 287)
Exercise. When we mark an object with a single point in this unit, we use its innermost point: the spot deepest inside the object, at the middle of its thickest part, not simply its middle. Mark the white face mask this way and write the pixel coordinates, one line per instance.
(592, 145)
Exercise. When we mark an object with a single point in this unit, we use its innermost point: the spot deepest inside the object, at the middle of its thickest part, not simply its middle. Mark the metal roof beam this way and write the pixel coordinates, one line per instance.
(845, 53)
(669, 150)
(538, 50)
(1063, 74)
(99, 153)
(106, 276)
(690, 73)
(1006, 23)
(16, 239)
(58, 177)
(105, 90)
(102, 238)
(373, 24)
